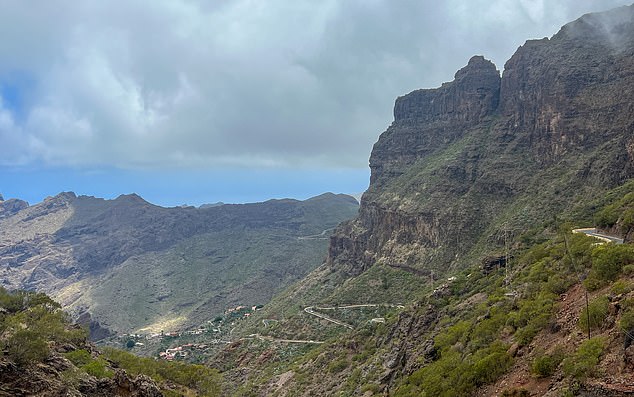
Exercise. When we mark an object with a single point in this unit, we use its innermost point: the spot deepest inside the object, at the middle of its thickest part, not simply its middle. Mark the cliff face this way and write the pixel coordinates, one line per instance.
(426, 121)
(480, 152)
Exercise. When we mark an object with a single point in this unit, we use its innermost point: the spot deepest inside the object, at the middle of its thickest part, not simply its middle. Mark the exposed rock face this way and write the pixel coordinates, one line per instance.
(428, 120)
(47, 379)
(569, 93)
(11, 206)
(456, 159)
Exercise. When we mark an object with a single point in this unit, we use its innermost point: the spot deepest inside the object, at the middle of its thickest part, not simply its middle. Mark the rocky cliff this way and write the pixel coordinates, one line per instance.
(484, 153)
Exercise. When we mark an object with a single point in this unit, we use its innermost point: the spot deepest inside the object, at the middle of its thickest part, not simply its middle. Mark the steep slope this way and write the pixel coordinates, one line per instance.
(483, 169)
(461, 161)
(129, 264)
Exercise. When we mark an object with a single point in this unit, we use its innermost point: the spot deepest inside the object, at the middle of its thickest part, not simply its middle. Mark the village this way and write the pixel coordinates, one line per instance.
(197, 340)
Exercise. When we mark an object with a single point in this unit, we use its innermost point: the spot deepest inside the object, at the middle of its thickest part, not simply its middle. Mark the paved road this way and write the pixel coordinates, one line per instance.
(320, 236)
(603, 237)
(311, 310)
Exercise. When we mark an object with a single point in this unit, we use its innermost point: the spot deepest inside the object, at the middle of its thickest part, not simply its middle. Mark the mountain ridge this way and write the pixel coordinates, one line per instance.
(111, 258)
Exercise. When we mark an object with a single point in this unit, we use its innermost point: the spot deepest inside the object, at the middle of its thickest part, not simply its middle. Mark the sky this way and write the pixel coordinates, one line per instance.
(191, 102)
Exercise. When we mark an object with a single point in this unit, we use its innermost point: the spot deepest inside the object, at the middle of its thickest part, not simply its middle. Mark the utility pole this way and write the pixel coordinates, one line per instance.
(574, 266)
(506, 256)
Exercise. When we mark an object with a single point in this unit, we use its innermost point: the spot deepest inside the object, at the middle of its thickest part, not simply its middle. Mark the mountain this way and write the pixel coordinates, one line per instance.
(129, 265)
(463, 239)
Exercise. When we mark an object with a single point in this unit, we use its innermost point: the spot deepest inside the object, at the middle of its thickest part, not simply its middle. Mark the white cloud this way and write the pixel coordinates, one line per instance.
(249, 83)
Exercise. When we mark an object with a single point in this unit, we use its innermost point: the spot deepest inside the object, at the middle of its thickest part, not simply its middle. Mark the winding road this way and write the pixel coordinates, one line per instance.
(320, 236)
(311, 310)
(590, 231)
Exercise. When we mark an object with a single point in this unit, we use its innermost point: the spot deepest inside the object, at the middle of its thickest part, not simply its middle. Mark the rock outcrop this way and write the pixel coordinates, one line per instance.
(11, 206)
(555, 128)
(47, 379)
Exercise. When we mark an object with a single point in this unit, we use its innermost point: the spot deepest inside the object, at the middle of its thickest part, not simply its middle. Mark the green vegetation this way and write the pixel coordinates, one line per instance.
(32, 327)
(584, 361)
(473, 323)
(457, 375)
(626, 324)
(620, 211)
(29, 323)
(544, 365)
(608, 262)
(96, 367)
(595, 314)
(204, 381)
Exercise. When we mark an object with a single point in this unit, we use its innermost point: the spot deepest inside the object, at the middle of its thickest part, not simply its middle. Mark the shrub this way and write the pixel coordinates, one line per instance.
(583, 363)
(598, 310)
(516, 393)
(337, 365)
(534, 315)
(627, 321)
(79, 357)
(607, 263)
(621, 287)
(98, 369)
(26, 346)
(545, 365)
(206, 381)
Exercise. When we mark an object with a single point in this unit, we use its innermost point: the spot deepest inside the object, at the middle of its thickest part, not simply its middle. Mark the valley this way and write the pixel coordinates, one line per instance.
(491, 255)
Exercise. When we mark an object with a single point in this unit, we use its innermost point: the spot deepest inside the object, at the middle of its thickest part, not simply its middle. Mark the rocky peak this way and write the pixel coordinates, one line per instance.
(1, 198)
(11, 206)
(427, 120)
(581, 73)
(614, 28)
(63, 197)
(473, 94)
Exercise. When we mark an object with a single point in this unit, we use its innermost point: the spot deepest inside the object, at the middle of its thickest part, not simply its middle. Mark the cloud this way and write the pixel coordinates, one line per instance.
(242, 83)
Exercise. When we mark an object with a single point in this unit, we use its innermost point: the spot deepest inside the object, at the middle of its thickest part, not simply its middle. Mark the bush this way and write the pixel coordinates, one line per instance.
(84, 361)
(337, 365)
(627, 321)
(79, 357)
(598, 309)
(607, 262)
(583, 363)
(206, 381)
(26, 346)
(534, 315)
(98, 369)
(545, 365)
(516, 393)
(621, 287)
